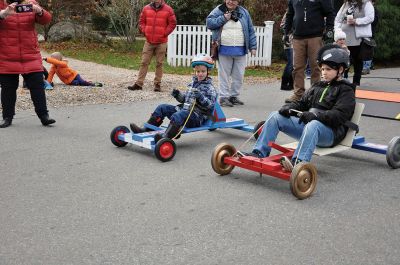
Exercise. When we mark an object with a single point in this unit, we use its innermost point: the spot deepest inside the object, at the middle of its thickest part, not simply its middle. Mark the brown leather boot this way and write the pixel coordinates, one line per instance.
(157, 88)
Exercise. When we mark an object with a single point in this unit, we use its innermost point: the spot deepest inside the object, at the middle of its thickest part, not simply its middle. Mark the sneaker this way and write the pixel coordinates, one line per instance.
(292, 98)
(157, 88)
(236, 101)
(97, 84)
(286, 163)
(224, 102)
(135, 87)
(254, 153)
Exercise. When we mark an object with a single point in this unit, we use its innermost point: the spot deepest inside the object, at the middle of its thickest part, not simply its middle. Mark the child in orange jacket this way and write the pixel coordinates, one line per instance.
(66, 74)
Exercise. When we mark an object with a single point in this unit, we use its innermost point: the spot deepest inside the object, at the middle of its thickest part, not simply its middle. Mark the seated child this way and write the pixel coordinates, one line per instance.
(327, 108)
(201, 90)
(66, 74)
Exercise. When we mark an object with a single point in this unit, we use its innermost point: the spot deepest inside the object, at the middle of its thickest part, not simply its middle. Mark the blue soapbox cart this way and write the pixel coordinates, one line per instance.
(165, 148)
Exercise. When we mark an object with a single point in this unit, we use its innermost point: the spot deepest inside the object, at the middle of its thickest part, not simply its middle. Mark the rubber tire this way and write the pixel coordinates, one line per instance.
(220, 151)
(256, 135)
(297, 180)
(393, 152)
(162, 149)
(213, 129)
(114, 135)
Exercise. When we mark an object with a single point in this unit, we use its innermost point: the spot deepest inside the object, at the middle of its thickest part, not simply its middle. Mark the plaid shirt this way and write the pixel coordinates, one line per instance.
(204, 104)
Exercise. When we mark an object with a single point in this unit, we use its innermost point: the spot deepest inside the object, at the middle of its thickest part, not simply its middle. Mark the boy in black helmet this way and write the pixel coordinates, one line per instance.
(324, 110)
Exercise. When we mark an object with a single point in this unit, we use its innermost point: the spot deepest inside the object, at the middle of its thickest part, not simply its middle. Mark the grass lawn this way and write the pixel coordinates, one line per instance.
(119, 57)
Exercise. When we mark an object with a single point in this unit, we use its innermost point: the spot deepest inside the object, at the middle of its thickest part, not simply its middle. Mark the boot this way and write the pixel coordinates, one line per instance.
(170, 132)
(156, 121)
(6, 122)
(46, 120)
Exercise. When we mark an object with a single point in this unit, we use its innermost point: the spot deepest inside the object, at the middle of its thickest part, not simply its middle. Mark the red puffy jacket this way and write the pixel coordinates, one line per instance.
(157, 24)
(19, 47)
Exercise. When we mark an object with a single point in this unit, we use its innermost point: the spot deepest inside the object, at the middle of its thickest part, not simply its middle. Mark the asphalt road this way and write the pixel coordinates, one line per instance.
(68, 196)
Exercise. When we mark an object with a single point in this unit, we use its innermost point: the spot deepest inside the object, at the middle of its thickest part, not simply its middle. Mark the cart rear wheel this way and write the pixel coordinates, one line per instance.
(217, 159)
(303, 180)
(165, 149)
(260, 124)
(393, 152)
(115, 133)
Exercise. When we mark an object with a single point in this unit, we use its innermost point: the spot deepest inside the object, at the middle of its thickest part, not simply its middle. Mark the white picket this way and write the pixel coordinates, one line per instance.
(188, 40)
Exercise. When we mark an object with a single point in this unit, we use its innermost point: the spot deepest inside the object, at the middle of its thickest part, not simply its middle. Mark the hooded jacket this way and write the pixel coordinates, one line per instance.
(306, 18)
(19, 47)
(157, 23)
(335, 100)
(66, 74)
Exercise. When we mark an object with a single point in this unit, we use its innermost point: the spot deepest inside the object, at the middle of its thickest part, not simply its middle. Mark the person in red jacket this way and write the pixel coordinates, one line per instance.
(20, 54)
(156, 21)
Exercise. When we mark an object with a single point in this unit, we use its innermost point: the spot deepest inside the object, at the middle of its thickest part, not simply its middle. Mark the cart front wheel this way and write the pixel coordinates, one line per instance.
(217, 158)
(303, 180)
(115, 133)
(393, 152)
(165, 149)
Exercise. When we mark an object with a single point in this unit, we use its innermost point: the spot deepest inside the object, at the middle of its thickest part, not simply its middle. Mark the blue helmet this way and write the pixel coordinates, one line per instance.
(203, 59)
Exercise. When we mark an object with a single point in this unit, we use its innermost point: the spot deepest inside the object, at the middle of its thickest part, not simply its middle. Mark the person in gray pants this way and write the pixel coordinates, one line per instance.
(232, 27)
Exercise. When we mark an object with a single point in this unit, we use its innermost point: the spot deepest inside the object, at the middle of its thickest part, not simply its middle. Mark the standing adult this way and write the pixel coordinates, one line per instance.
(354, 18)
(232, 27)
(20, 54)
(308, 21)
(156, 21)
(287, 75)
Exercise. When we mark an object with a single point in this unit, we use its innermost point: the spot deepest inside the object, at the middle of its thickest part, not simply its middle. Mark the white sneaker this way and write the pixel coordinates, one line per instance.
(286, 163)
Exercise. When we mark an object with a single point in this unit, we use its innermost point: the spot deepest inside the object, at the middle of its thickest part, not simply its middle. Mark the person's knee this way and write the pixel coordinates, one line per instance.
(313, 126)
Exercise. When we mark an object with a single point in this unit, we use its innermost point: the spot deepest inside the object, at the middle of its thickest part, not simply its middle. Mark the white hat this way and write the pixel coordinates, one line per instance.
(339, 34)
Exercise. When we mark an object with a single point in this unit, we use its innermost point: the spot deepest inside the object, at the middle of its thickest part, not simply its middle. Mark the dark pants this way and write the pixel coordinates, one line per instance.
(178, 116)
(79, 81)
(357, 63)
(287, 77)
(9, 86)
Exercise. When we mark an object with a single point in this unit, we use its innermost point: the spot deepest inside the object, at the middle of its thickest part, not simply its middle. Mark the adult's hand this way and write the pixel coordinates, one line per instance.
(253, 52)
(286, 40)
(9, 10)
(37, 9)
(227, 16)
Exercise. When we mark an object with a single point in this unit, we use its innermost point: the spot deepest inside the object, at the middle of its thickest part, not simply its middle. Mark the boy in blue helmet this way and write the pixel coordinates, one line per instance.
(200, 91)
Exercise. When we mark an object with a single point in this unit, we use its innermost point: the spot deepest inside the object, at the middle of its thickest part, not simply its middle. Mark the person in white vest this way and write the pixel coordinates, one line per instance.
(232, 27)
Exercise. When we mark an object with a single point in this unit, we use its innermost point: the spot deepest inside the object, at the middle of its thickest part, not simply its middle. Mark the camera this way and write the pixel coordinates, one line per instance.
(235, 15)
(24, 8)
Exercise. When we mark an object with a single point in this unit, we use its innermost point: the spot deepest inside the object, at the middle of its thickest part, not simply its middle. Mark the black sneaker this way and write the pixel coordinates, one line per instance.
(254, 153)
(236, 101)
(224, 102)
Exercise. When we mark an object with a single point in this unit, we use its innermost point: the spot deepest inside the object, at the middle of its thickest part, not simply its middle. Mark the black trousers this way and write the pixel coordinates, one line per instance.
(9, 86)
(357, 63)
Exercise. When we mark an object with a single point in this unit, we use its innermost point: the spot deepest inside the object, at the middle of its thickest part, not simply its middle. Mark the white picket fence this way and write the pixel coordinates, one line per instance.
(188, 40)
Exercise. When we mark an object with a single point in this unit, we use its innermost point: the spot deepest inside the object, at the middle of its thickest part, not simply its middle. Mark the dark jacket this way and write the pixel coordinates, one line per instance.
(306, 18)
(337, 105)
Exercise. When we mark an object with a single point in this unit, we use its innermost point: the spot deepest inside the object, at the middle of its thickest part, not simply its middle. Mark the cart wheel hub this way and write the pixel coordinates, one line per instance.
(166, 150)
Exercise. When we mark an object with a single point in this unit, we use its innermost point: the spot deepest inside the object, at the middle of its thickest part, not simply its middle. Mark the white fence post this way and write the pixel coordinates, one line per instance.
(188, 40)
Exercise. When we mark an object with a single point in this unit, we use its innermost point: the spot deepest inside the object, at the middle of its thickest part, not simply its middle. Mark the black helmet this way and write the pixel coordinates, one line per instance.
(334, 56)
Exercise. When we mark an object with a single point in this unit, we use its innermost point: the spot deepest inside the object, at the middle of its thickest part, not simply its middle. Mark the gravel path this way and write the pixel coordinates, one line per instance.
(115, 90)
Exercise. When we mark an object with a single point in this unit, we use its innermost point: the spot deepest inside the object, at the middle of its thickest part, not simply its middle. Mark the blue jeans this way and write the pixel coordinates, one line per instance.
(178, 116)
(79, 81)
(367, 65)
(312, 134)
